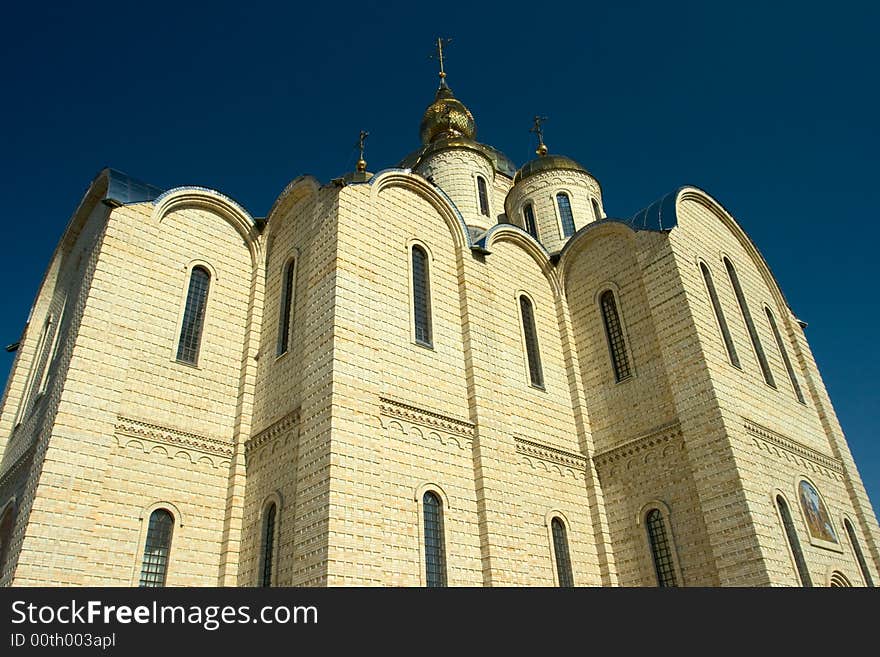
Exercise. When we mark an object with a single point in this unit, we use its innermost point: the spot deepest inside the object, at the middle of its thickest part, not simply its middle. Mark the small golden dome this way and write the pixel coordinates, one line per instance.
(547, 163)
(446, 116)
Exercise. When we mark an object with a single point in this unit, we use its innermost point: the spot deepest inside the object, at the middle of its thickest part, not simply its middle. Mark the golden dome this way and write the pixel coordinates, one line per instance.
(547, 163)
(446, 116)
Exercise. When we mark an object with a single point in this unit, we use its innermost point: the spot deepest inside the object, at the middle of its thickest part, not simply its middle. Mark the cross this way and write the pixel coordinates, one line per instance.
(538, 130)
(361, 140)
(439, 55)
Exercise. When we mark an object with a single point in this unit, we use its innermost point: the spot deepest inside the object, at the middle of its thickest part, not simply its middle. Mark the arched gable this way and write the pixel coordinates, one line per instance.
(213, 201)
(662, 215)
(516, 235)
(402, 178)
(587, 235)
(699, 196)
(297, 190)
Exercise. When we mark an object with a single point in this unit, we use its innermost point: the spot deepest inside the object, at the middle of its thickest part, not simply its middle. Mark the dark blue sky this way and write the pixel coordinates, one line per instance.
(770, 107)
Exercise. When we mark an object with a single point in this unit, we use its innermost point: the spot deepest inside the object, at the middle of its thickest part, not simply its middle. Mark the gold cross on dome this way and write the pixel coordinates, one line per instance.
(439, 55)
(539, 130)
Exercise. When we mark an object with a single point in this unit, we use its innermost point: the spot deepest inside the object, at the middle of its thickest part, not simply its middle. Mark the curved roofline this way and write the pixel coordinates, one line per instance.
(418, 183)
(483, 242)
(515, 234)
(162, 198)
(575, 241)
(304, 180)
(662, 216)
(235, 214)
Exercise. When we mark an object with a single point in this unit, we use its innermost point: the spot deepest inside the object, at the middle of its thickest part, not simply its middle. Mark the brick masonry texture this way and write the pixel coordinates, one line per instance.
(346, 429)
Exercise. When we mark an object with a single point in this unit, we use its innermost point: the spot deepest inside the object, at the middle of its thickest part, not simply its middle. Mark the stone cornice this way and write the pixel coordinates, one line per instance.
(653, 438)
(139, 429)
(272, 431)
(425, 418)
(770, 437)
(550, 454)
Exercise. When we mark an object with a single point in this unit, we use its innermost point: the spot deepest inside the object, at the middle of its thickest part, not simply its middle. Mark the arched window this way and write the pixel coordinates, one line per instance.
(483, 194)
(661, 551)
(7, 523)
(286, 316)
(784, 353)
(529, 216)
(35, 371)
(565, 215)
(793, 542)
(750, 325)
(53, 353)
(154, 568)
(193, 316)
(435, 552)
(838, 579)
(530, 334)
(268, 545)
(719, 315)
(560, 549)
(597, 212)
(854, 542)
(421, 296)
(614, 333)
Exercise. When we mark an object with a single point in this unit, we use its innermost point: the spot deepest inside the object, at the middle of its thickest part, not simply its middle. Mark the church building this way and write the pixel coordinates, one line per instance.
(452, 372)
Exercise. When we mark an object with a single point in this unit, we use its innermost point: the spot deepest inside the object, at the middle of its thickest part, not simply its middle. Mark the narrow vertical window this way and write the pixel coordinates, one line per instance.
(854, 542)
(661, 551)
(782, 351)
(529, 216)
(284, 320)
(597, 213)
(421, 296)
(793, 542)
(268, 545)
(7, 523)
(53, 353)
(193, 316)
(719, 315)
(435, 557)
(565, 215)
(560, 549)
(154, 567)
(614, 333)
(533, 354)
(750, 325)
(36, 366)
(483, 194)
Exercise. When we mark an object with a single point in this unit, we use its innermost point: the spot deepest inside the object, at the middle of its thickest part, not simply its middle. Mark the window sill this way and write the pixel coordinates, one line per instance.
(424, 345)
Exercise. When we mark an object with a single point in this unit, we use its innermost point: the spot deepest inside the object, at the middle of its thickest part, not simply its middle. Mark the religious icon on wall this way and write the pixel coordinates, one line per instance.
(816, 514)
